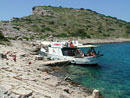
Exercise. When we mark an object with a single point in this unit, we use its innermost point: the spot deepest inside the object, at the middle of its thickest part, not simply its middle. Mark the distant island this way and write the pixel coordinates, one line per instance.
(65, 23)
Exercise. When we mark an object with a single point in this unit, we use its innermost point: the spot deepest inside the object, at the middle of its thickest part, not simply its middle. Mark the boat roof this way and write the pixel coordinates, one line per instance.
(46, 43)
(61, 44)
(85, 46)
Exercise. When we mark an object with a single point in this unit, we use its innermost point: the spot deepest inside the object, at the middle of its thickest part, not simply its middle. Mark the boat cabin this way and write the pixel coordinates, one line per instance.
(71, 50)
(61, 49)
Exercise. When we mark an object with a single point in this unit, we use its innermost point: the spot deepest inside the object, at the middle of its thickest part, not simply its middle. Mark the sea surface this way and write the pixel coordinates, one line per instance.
(111, 76)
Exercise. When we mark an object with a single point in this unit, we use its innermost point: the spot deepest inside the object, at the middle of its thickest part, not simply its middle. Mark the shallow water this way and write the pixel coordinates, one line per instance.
(111, 76)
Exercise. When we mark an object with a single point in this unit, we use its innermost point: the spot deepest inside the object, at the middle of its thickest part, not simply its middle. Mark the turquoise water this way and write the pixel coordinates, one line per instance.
(111, 76)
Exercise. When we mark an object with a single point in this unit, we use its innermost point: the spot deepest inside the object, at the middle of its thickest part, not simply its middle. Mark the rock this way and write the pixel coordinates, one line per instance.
(5, 67)
(36, 48)
(18, 78)
(95, 94)
(67, 78)
(34, 53)
(6, 87)
(23, 55)
(3, 56)
(39, 58)
(12, 75)
(67, 91)
(41, 11)
(14, 96)
(19, 38)
(64, 96)
(22, 92)
(15, 19)
(2, 91)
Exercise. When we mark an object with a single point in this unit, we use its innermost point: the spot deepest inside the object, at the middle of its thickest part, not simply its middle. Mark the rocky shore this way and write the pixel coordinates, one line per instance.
(24, 76)
(99, 41)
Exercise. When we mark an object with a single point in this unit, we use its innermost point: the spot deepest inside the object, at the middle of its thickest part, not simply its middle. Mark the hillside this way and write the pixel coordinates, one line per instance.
(69, 22)
(2, 38)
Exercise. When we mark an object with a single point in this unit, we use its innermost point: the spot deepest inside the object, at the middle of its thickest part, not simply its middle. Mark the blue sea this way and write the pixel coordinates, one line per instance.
(111, 76)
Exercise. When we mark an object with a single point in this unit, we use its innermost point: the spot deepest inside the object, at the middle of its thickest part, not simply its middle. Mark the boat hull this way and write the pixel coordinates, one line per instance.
(80, 61)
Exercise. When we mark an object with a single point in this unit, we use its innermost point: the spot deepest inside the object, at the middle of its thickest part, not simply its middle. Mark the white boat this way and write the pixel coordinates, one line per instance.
(73, 51)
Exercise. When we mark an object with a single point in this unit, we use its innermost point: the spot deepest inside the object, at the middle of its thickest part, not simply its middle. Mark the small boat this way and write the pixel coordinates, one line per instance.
(73, 51)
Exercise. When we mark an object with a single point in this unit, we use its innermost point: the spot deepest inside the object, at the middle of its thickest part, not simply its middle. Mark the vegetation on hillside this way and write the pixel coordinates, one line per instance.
(69, 22)
(3, 40)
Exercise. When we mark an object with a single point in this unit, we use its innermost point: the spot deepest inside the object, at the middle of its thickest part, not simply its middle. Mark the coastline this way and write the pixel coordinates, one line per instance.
(25, 76)
(102, 41)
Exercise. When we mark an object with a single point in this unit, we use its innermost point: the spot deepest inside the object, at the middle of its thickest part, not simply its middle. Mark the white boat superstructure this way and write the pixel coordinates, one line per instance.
(71, 50)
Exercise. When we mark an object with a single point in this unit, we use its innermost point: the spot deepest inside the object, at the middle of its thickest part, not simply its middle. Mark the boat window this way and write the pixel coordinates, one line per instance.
(69, 51)
(84, 50)
(89, 51)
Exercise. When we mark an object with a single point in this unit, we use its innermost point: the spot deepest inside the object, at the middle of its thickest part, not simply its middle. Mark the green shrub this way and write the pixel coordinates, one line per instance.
(61, 35)
(80, 33)
(81, 8)
(32, 37)
(110, 29)
(128, 31)
(44, 28)
(106, 35)
(51, 22)
(17, 28)
(11, 38)
(128, 28)
(43, 36)
(27, 38)
(100, 29)
(2, 38)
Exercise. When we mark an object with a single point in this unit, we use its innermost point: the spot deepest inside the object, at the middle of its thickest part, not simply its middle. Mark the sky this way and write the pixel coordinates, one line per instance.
(20, 8)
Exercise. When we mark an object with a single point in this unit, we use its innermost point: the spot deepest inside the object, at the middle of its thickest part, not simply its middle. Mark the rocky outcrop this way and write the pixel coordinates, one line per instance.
(13, 31)
(41, 11)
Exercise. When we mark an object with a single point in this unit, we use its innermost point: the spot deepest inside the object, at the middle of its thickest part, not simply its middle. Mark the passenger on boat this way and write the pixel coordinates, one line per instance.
(79, 54)
(91, 52)
(67, 44)
(94, 53)
(71, 44)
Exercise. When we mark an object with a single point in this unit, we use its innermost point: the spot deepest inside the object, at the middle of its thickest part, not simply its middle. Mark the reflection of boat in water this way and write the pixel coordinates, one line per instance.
(72, 51)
